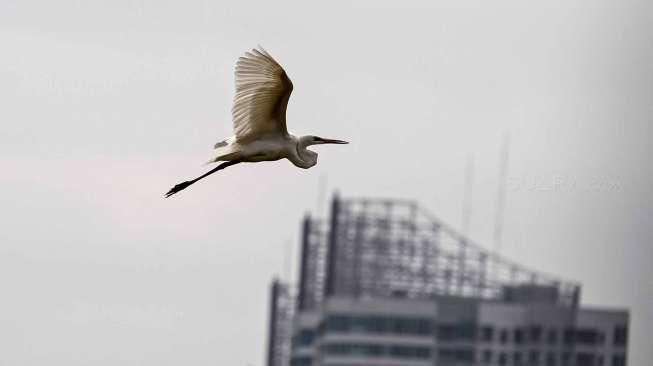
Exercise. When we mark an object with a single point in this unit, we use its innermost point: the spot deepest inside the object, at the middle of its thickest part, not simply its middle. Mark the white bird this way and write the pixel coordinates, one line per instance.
(259, 120)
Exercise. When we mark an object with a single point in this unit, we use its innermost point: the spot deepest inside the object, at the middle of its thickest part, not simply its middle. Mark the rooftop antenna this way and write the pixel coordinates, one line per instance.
(287, 260)
(501, 194)
(467, 198)
(321, 191)
(467, 211)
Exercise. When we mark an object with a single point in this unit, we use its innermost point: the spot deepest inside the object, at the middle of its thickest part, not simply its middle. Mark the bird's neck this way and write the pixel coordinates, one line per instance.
(305, 158)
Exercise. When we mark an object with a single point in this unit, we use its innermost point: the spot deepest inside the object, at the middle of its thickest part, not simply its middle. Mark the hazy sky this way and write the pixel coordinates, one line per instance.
(106, 105)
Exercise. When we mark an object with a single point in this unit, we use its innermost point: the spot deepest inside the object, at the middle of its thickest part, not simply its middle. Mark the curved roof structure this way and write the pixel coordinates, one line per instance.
(388, 248)
(394, 248)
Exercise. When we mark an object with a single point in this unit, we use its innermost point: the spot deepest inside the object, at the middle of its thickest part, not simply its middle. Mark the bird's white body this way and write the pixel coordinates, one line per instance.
(269, 147)
(259, 120)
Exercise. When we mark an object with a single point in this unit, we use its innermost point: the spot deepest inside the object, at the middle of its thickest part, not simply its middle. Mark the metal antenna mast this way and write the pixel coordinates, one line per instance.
(501, 194)
(467, 198)
(287, 262)
(321, 191)
(467, 211)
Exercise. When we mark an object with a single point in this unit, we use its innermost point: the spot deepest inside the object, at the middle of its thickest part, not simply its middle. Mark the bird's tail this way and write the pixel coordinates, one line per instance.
(224, 142)
(223, 157)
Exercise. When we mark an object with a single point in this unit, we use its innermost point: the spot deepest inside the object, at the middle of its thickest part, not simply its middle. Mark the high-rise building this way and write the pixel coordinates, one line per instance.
(383, 282)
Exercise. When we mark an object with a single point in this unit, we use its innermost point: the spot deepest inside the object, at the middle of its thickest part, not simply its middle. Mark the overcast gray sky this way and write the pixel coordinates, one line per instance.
(106, 105)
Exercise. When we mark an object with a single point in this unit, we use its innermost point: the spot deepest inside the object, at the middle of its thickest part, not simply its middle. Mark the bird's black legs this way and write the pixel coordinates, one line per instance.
(185, 184)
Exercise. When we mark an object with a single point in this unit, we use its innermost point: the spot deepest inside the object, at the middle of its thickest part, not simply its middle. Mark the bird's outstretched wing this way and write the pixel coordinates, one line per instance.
(262, 93)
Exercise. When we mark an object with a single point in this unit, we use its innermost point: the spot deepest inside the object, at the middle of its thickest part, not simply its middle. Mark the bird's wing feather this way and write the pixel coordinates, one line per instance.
(262, 93)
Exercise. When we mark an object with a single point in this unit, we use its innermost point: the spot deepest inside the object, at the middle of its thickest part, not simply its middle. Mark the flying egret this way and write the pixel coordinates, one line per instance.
(259, 120)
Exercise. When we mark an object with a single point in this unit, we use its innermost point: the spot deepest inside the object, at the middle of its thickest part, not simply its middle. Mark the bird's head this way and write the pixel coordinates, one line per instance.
(316, 140)
(308, 157)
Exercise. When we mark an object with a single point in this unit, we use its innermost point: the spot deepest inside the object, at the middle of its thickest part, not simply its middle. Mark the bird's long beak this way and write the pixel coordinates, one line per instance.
(332, 141)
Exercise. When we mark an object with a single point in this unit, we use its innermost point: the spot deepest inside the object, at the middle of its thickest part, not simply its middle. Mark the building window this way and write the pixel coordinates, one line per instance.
(487, 356)
(503, 337)
(304, 338)
(534, 357)
(566, 358)
(377, 350)
(378, 324)
(425, 327)
(301, 361)
(552, 337)
(338, 323)
(503, 359)
(516, 358)
(618, 360)
(620, 335)
(568, 336)
(551, 359)
(535, 334)
(584, 359)
(456, 356)
(456, 332)
(519, 336)
(409, 352)
(586, 336)
(487, 333)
